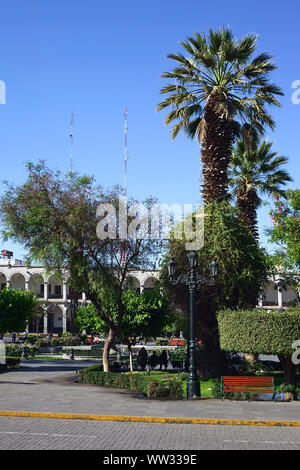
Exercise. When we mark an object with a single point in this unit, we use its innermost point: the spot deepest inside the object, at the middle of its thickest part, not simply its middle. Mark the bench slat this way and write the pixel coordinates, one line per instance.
(247, 384)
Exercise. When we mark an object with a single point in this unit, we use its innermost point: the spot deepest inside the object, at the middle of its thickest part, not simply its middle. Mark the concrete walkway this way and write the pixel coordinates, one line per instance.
(50, 386)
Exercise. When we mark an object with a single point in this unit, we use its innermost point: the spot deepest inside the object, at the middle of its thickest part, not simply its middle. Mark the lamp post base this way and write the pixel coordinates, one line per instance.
(193, 390)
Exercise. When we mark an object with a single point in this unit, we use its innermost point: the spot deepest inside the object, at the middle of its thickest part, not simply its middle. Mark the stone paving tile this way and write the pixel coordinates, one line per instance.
(44, 434)
(50, 387)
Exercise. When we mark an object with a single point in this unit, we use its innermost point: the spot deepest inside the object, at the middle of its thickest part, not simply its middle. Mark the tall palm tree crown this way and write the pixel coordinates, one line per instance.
(217, 89)
(255, 170)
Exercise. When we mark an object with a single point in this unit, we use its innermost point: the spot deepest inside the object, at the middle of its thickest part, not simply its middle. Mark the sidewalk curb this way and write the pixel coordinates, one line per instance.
(151, 419)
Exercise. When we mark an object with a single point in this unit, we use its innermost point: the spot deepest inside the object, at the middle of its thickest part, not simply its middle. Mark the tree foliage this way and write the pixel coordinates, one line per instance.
(255, 170)
(286, 229)
(55, 218)
(145, 316)
(16, 309)
(242, 269)
(217, 89)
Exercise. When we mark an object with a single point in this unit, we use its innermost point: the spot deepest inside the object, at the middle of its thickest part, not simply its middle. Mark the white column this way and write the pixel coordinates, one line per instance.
(45, 290)
(260, 300)
(64, 292)
(83, 298)
(280, 301)
(46, 323)
(64, 320)
(142, 288)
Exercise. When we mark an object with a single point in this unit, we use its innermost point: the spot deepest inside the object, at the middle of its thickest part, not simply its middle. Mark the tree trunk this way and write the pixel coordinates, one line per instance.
(290, 375)
(107, 347)
(130, 357)
(214, 360)
(216, 152)
(247, 207)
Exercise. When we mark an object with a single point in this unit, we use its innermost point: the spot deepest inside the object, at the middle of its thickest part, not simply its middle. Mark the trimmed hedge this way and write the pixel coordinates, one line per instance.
(96, 353)
(58, 341)
(154, 385)
(259, 332)
(13, 354)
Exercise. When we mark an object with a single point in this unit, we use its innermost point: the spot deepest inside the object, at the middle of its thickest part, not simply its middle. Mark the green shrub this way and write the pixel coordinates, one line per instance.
(283, 388)
(163, 385)
(161, 342)
(96, 353)
(259, 332)
(13, 355)
(157, 389)
(29, 350)
(67, 340)
(43, 343)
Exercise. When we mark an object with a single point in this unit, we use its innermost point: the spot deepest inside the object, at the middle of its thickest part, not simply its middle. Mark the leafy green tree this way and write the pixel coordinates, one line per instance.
(16, 309)
(87, 319)
(55, 218)
(286, 229)
(218, 89)
(145, 316)
(255, 169)
(242, 269)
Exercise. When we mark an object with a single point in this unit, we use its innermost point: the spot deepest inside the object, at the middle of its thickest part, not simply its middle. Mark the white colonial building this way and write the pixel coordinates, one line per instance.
(55, 295)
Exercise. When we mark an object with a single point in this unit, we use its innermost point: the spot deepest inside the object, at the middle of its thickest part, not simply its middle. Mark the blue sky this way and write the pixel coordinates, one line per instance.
(94, 58)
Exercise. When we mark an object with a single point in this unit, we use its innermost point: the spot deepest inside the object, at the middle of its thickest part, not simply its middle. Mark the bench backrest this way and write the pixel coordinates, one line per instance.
(235, 383)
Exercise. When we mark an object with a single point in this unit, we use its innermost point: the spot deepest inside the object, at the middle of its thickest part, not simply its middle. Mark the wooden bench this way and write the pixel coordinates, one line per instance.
(248, 385)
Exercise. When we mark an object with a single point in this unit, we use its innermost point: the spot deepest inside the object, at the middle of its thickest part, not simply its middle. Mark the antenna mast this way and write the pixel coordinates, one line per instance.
(71, 143)
(125, 151)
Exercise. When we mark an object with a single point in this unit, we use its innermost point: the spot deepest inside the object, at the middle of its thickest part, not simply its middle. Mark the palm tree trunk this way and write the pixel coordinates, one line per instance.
(247, 210)
(216, 152)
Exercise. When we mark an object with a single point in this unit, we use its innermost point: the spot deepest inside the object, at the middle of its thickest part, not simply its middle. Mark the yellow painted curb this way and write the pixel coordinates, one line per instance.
(150, 419)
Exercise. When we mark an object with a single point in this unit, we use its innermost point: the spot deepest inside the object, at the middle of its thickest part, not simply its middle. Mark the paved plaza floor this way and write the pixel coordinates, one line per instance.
(53, 434)
(50, 386)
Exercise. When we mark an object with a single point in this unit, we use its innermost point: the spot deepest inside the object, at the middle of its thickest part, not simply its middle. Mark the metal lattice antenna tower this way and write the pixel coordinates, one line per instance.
(71, 143)
(125, 152)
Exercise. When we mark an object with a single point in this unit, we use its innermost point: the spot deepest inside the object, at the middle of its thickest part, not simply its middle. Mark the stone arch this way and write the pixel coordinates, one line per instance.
(133, 283)
(3, 280)
(36, 284)
(55, 314)
(55, 287)
(17, 281)
(270, 294)
(149, 283)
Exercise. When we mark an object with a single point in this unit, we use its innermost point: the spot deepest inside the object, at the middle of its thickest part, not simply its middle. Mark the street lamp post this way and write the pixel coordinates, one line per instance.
(192, 279)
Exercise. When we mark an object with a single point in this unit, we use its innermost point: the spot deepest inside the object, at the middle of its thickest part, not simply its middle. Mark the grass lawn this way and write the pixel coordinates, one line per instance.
(205, 388)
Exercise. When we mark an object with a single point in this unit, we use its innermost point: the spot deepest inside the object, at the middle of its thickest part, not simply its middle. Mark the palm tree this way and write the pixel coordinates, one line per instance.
(255, 169)
(217, 91)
